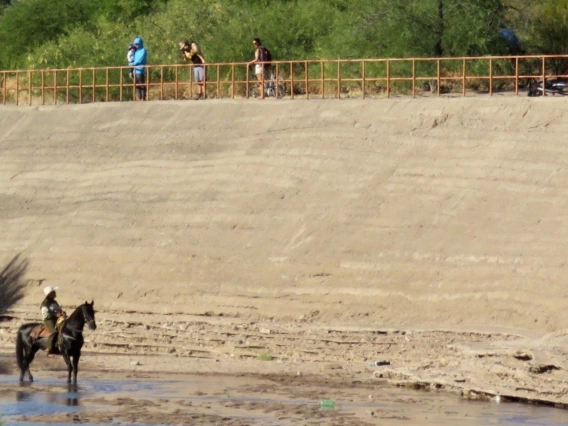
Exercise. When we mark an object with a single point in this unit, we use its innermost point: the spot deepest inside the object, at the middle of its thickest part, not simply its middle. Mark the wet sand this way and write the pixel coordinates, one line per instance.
(154, 399)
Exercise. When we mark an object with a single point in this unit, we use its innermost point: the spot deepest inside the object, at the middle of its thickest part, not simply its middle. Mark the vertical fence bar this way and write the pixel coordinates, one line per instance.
(307, 80)
(232, 81)
(94, 85)
(291, 80)
(322, 73)
(543, 76)
(4, 88)
(120, 84)
(490, 76)
(43, 87)
(388, 79)
(247, 94)
(517, 75)
(176, 84)
(438, 76)
(414, 78)
(80, 86)
(17, 88)
(67, 88)
(338, 79)
(30, 86)
(191, 81)
(218, 81)
(161, 82)
(107, 82)
(55, 87)
(363, 84)
(464, 78)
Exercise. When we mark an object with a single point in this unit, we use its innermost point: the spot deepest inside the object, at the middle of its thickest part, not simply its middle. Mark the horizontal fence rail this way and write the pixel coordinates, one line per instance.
(305, 79)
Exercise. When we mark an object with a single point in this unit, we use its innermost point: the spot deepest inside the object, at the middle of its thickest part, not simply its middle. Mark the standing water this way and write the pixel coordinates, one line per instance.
(245, 400)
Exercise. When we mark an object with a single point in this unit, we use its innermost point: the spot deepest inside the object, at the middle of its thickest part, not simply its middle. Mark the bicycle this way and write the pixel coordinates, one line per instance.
(273, 86)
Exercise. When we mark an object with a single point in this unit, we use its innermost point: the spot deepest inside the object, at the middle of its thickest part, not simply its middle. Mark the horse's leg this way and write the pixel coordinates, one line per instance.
(67, 359)
(31, 355)
(76, 365)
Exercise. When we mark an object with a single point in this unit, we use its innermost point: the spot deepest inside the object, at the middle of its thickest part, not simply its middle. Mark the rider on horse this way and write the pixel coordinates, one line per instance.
(50, 313)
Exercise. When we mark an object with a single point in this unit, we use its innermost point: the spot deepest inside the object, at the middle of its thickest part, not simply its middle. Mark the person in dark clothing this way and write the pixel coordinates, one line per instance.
(512, 43)
(50, 312)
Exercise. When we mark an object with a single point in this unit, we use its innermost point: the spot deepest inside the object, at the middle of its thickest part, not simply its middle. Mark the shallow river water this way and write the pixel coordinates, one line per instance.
(240, 400)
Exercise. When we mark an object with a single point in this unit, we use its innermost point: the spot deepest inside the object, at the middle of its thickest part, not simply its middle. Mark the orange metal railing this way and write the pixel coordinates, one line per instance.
(305, 79)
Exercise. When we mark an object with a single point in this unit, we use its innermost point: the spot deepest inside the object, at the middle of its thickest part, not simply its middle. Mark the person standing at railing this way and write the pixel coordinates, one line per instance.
(513, 45)
(139, 64)
(510, 45)
(130, 58)
(262, 63)
(192, 52)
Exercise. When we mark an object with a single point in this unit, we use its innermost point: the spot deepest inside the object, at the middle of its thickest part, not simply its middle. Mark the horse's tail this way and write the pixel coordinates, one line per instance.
(20, 349)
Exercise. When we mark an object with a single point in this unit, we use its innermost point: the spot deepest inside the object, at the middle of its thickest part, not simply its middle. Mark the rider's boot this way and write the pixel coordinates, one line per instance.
(51, 344)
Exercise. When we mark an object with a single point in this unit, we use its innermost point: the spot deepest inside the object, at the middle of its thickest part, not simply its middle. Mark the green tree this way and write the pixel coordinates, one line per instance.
(28, 24)
(429, 27)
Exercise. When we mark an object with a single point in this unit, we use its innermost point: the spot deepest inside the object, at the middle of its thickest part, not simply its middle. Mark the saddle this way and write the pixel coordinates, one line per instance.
(40, 331)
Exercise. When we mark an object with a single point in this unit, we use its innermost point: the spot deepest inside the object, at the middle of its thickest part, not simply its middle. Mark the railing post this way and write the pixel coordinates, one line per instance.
(414, 78)
(307, 80)
(4, 88)
(490, 76)
(339, 79)
(322, 74)
(232, 81)
(94, 85)
(388, 78)
(176, 86)
(43, 87)
(17, 88)
(464, 78)
(363, 78)
(517, 75)
(30, 86)
(80, 86)
(161, 83)
(291, 80)
(543, 76)
(247, 94)
(67, 89)
(107, 82)
(120, 85)
(438, 76)
(191, 82)
(218, 81)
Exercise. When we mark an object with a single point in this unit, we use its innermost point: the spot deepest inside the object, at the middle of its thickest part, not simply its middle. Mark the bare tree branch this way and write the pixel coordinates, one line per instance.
(11, 283)
(11, 288)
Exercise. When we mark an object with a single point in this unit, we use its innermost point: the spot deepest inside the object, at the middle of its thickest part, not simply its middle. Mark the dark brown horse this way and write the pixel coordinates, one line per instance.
(69, 344)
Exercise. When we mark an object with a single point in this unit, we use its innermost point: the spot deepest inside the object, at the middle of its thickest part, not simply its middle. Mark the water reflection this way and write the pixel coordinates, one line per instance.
(406, 406)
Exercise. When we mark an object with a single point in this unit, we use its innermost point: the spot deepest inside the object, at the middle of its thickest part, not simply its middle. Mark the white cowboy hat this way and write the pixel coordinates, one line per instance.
(47, 290)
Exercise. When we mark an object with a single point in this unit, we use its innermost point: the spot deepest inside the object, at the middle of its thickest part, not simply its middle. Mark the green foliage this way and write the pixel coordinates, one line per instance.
(551, 29)
(74, 33)
(28, 24)
(263, 356)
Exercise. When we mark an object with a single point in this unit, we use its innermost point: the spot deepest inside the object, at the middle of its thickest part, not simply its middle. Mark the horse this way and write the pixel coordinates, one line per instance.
(68, 344)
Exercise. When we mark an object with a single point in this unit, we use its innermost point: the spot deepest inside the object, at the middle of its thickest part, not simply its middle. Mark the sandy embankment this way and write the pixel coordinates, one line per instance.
(428, 232)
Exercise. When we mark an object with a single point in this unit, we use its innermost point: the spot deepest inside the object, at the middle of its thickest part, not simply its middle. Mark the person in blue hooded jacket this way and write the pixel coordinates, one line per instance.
(139, 63)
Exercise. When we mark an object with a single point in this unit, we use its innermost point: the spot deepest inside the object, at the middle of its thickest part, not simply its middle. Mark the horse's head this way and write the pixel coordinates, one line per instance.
(89, 314)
